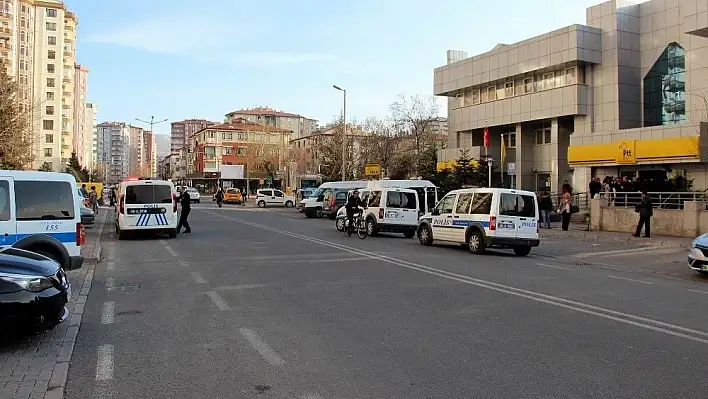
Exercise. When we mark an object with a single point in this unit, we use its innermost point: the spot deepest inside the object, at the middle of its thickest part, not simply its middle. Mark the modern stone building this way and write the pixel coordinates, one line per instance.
(624, 95)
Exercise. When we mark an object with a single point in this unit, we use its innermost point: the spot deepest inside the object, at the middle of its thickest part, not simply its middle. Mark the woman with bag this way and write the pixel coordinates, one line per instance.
(565, 208)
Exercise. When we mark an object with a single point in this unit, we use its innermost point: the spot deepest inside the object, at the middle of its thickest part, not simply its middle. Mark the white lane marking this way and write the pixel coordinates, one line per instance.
(183, 263)
(108, 313)
(241, 287)
(621, 252)
(631, 279)
(262, 347)
(218, 300)
(699, 291)
(555, 267)
(104, 363)
(197, 278)
(580, 307)
(163, 242)
(110, 266)
(312, 396)
(110, 284)
(171, 251)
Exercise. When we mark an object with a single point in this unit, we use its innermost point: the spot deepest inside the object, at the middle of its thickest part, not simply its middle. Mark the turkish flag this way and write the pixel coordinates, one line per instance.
(486, 138)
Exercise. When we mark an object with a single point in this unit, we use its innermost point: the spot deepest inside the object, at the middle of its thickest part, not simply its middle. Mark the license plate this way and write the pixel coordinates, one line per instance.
(143, 211)
(705, 268)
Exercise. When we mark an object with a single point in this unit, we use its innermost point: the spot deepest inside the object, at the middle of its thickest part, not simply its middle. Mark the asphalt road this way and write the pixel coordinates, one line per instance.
(269, 304)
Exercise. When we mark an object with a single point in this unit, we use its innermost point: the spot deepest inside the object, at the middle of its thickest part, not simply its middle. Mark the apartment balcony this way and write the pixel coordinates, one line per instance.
(66, 79)
(68, 54)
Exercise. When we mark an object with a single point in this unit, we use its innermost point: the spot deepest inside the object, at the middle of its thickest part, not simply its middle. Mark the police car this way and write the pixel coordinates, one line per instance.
(482, 218)
(146, 205)
(41, 212)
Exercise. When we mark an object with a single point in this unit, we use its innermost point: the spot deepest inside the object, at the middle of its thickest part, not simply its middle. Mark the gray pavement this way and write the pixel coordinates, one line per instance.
(266, 303)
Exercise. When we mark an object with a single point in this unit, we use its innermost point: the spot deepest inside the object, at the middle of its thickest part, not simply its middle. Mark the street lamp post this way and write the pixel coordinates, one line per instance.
(152, 123)
(344, 132)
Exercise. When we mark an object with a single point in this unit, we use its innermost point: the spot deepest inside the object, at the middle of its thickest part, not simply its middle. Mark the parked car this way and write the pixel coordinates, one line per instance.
(232, 196)
(34, 290)
(273, 197)
(698, 254)
(194, 195)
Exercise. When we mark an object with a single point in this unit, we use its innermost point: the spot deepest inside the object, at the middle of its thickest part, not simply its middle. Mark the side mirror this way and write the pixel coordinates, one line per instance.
(435, 212)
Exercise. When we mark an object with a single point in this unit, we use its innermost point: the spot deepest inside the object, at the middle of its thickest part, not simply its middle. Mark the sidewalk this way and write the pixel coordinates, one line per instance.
(37, 366)
(579, 230)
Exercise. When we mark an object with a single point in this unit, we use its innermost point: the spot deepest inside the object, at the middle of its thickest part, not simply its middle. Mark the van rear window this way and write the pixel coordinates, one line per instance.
(148, 194)
(44, 200)
(395, 199)
(517, 205)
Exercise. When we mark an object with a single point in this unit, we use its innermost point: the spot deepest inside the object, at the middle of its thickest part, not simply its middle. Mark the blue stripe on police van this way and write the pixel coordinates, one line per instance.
(65, 237)
(140, 219)
(163, 219)
(465, 223)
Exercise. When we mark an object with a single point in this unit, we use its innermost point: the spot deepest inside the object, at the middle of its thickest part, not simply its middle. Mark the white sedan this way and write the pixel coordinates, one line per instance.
(698, 254)
(194, 195)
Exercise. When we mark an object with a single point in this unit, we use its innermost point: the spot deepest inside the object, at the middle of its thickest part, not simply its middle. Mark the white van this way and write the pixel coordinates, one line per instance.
(41, 212)
(484, 218)
(312, 206)
(146, 205)
(388, 210)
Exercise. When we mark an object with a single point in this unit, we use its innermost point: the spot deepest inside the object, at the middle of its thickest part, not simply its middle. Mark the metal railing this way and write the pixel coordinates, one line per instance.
(660, 200)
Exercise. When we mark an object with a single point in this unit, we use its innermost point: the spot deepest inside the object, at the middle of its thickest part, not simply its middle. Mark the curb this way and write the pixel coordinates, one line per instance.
(60, 374)
(594, 236)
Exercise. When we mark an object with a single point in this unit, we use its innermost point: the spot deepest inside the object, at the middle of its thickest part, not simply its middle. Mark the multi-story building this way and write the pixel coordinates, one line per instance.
(260, 148)
(81, 125)
(620, 96)
(113, 157)
(164, 167)
(181, 130)
(148, 154)
(298, 124)
(306, 152)
(90, 136)
(37, 40)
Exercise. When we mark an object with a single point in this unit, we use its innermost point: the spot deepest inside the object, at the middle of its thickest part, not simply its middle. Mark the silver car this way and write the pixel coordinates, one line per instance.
(698, 254)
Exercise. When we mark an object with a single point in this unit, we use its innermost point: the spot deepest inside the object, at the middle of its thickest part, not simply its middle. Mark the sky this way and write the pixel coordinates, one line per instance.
(177, 59)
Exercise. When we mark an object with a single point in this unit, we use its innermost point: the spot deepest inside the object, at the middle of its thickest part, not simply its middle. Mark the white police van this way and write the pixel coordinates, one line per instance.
(40, 212)
(146, 205)
(483, 218)
(387, 210)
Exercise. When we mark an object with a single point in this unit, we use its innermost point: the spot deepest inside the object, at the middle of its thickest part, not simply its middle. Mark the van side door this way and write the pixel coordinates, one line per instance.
(442, 219)
(8, 225)
(527, 214)
(507, 218)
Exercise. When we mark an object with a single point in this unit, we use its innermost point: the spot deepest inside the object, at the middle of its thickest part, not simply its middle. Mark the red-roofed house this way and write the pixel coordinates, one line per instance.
(298, 124)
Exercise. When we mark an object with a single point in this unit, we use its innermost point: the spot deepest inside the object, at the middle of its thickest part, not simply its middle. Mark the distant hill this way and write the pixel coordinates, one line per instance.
(163, 145)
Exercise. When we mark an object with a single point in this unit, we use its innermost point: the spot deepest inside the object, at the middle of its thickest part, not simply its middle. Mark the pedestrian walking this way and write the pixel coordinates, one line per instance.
(545, 206)
(566, 202)
(645, 210)
(219, 196)
(186, 205)
(93, 198)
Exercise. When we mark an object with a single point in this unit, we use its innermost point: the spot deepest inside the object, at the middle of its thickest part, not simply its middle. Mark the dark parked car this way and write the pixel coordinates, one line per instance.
(34, 290)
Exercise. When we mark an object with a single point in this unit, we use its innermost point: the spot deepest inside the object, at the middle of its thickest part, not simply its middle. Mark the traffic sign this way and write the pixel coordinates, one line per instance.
(269, 180)
(511, 168)
(372, 170)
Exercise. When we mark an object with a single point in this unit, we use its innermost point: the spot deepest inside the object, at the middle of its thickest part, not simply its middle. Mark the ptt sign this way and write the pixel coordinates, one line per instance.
(626, 153)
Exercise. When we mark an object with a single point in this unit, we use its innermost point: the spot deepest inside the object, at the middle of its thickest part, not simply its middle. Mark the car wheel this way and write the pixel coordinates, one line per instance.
(475, 243)
(261, 204)
(318, 212)
(409, 233)
(197, 201)
(288, 204)
(340, 224)
(425, 236)
(371, 227)
(309, 214)
(522, 251)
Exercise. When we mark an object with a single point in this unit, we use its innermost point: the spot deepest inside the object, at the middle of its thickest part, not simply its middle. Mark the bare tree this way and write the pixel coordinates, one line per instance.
(15, 125)
(416, 117)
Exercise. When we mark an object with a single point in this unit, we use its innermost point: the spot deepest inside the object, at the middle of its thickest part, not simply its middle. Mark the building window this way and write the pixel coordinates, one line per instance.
(665, 88)
(51, 54)
(50, 82)
(227, 136)
(475, 97)
(23, 37)
(49, 138)
(51, 26)
(460, 100)
(47, 152)
(210, 135)
(50, 95)
(50, 68)
(570, 76)
(543, 136)
(51, 13)
(548, 81)
(52, 40)
(226, 150)
(491, 93)
(510, 140)
(48, 124)
(509, 89)
(241, 151)
(49, 110)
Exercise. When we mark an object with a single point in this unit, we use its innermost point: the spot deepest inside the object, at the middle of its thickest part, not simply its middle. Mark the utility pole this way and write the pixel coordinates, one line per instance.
(152, 123)
(344, 133)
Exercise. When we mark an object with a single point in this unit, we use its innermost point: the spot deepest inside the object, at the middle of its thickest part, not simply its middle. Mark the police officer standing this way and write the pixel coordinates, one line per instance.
(186, 203)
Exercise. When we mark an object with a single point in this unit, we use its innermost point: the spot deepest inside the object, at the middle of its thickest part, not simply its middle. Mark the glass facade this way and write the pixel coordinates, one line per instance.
(665, 89)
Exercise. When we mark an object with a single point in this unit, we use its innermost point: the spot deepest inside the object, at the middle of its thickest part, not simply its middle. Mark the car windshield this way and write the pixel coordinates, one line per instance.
(316, 193)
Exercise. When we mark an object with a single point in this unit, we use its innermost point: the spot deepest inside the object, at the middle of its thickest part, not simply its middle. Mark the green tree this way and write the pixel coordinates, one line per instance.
(15, 124)
(45, 167)
(74, 168)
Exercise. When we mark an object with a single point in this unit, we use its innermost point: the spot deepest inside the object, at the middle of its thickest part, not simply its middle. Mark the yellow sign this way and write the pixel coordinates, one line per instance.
(451, 165)
(626, 152)
(262, 181)
(372, 170)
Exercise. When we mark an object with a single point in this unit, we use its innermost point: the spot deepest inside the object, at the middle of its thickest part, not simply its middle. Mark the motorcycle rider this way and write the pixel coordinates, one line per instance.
(353, 203)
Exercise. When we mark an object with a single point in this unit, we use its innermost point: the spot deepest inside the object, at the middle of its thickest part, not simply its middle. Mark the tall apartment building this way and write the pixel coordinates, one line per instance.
(298, 124)
(82, 129)
(181, 130)
(148, 154)
(37, 40)
(135, 144)
(620, 96)
(112, 151)
(90, 136)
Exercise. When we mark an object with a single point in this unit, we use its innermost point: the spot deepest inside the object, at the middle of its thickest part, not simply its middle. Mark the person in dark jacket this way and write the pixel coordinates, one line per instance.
(186, 202)
(219, 196)
(645, 210)
(545, 206)
(353, 203)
